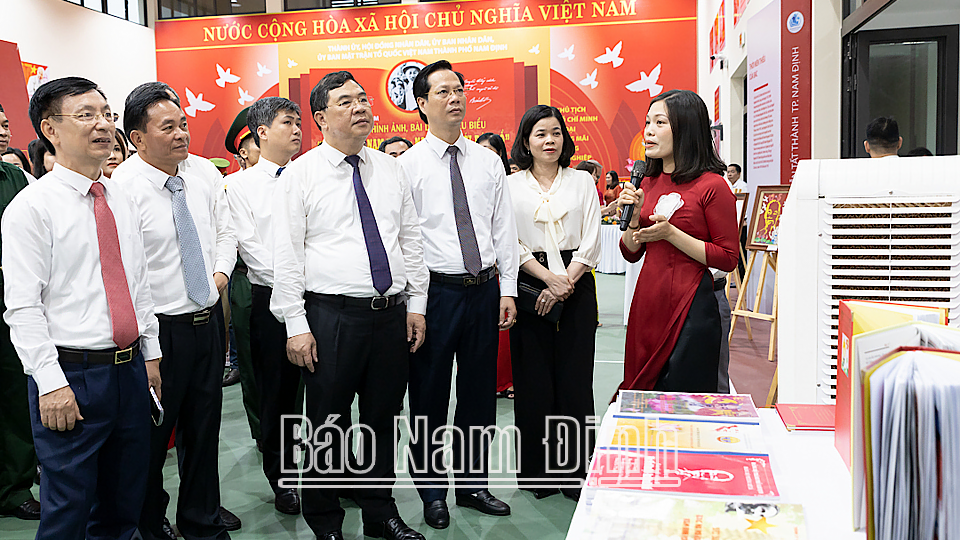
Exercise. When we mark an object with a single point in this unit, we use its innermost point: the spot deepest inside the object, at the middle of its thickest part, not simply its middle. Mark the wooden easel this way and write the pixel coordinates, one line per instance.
(769, 259)
(736, 279)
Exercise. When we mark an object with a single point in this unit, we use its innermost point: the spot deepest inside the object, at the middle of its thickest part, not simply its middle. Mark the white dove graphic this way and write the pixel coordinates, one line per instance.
(647, 82)
(291, 63)
(196, 103)
(567, 53)
(591, 80)
(262, 70)
(611, 56)
(244, 97)
(535, 49)
(225, 76)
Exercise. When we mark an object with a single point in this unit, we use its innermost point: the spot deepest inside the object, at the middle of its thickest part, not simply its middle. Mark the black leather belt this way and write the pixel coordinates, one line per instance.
(106, 356)
(196, 318)
(719, 283)
(464, 280)
(376, 303)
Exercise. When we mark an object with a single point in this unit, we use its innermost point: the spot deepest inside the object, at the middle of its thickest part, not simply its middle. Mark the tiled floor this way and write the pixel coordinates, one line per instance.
(245, 492)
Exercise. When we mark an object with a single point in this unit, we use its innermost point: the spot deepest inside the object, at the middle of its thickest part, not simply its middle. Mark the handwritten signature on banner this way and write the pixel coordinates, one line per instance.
(303, 26)
(475, 89)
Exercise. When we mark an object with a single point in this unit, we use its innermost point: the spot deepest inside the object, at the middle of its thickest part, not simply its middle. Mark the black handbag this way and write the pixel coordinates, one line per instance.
(527, 296)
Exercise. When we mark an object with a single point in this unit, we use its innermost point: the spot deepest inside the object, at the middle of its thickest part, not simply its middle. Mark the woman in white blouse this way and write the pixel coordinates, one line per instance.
(558, 222)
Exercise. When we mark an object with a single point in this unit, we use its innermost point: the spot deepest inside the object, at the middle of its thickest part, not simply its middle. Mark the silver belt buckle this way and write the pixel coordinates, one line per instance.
(379, 302)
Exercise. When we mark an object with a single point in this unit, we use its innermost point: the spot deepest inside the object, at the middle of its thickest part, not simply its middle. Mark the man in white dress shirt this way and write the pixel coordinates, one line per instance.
(274, 124)
(347, 255)
(81, 318)
(469, 233)
(191, 249)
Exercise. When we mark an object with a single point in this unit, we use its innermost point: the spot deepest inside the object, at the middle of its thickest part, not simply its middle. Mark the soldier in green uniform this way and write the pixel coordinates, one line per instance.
(241, 297)
(18, 460)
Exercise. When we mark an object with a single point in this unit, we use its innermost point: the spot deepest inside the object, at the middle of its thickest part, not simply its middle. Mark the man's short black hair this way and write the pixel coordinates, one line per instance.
(321, 92)
(883, 133)
(392, 140)
(421, 84)
(919, 151)
(264, 111)
(1, 107)
(737, 167)
(141, 99)
(521, 154)
(49, 96)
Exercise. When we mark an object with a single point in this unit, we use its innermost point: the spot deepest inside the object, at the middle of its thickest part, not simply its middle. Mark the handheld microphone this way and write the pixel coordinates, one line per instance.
(636, 175)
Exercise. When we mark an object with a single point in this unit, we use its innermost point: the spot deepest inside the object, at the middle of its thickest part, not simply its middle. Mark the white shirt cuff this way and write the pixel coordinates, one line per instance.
(417, 304)
(49, 378)
(224, 267)
(150, 347)
(297, 325)
(585, 262)
(508, 287)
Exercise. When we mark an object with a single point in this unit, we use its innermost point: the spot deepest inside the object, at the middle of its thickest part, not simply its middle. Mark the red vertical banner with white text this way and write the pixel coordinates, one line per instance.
(796, 45)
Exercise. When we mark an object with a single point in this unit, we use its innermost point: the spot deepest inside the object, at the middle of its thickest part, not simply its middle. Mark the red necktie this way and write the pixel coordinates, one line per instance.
(122, 316)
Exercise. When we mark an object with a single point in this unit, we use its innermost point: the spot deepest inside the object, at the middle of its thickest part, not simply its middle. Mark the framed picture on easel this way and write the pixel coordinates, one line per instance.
(742, 199)
(764, 225)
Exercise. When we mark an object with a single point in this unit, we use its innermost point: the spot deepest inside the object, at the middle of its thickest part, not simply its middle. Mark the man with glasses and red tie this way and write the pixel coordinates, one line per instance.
(191, 248)
(346, 258)
(81, 317)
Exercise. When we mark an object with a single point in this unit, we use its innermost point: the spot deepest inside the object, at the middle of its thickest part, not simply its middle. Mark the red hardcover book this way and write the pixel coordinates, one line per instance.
(708, 474)
(807, 417)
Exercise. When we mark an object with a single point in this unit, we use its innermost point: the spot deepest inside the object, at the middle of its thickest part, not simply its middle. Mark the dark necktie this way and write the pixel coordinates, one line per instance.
(280, 170)
(461, 211)
(123, 318)
(379, 265)
(191, 254)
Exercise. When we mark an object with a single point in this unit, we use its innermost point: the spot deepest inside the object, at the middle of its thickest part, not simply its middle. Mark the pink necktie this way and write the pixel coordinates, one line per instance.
(122, 316)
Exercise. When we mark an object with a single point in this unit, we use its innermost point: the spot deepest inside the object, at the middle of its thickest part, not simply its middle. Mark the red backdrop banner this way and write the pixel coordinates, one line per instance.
(599, 62)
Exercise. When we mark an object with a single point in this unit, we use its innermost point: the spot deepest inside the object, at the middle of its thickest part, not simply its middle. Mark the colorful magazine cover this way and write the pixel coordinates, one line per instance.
(695, 473)
(735, 407)
(706, 435)
(613, 514)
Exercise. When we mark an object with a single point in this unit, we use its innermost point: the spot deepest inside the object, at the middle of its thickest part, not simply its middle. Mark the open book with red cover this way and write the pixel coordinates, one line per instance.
(802, 417)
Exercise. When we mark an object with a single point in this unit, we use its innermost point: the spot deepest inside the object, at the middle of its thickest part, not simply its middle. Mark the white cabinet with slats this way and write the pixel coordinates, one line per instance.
(867, 229)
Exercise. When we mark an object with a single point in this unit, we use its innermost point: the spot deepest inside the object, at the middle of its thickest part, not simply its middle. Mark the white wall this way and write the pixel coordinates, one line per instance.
(825, 84)
(75, 41)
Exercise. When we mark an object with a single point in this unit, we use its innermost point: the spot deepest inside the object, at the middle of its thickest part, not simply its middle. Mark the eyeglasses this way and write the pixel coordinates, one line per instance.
(347, 103)
(444, 94)
(91, 118)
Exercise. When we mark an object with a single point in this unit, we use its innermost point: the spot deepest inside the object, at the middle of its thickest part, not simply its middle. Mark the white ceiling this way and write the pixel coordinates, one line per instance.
(912, 13)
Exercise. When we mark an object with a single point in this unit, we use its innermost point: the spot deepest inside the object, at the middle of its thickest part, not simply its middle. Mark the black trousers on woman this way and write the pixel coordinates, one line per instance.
(694, 363)
(553, 377)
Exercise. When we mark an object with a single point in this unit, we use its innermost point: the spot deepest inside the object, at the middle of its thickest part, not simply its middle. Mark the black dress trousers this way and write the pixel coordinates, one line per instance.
(192, 375)
(362, 353)
(277, 383)
(553, 377)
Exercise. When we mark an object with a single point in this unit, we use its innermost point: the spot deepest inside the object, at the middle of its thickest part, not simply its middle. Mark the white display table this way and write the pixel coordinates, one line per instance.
(808, 471)
(611, 262)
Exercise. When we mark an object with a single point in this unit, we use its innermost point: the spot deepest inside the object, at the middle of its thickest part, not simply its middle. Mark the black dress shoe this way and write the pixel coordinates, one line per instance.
(335, 535)
(391, 529)
(485, 502)
(29, 510)
(231, 521)
(231, 378)
(167, 530)
(287, 502)
(571, 493)
(436, 515)
(541, 493)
